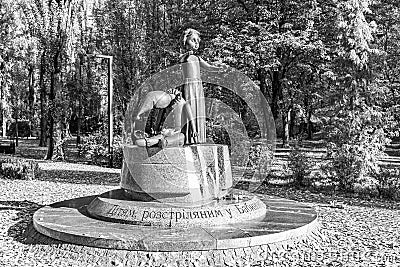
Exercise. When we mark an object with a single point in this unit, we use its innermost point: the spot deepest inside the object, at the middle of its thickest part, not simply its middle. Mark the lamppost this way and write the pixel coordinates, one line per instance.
(109, 106)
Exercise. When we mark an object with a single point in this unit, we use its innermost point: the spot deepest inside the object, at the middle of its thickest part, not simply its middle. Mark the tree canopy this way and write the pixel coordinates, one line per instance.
(328, 64)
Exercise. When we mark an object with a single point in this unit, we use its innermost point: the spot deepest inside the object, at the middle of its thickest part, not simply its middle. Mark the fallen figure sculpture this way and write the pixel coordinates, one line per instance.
(171, 101)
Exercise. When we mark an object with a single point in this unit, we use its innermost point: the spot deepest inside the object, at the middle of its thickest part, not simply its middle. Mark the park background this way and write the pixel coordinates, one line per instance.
(329, 70)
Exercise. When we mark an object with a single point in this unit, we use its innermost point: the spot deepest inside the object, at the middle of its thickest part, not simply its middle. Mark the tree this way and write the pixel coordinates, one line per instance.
(53, 24)
(6, 34)
(18, 70)
(267, 44)
(358, 122)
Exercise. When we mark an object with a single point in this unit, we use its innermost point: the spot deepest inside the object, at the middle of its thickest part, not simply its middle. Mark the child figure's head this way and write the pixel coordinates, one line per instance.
(191, 39)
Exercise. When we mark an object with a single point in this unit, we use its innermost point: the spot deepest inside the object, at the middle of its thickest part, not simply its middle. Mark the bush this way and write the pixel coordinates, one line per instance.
(217, 134)
(387, 182)
(259, 152)
(24, 129)
(260, 158)
(118, 153)
(357, 142)
(299, 166)
(95, 149)
(345, 167)
(14, 168)
(352, 163)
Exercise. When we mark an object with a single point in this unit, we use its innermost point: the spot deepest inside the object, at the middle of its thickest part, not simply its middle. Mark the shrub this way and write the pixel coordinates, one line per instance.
(95, 149)
(344, 167)
(299, 166)
(357, 142)
(260, 158)
(352, 163)
(387, 182)
(118, 153)
(14, 168)
(259, 151)
(217, 134)
(24, 129)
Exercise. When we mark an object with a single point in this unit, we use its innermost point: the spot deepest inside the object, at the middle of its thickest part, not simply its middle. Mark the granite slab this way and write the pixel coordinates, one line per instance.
(217, 212)
(192, 173)
(66, 222)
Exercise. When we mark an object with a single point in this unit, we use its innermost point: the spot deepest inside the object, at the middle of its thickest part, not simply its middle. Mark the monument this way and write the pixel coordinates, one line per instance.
(171, 176)
(177, 187)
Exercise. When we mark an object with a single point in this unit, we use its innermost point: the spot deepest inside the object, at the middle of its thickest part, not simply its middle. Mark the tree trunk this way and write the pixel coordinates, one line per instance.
(58, 141)
(16, 127)
(66, 120)
(307, 105)
(31, 96)
(79, 115)
(79, 121)
(52, 108)
(3, 114)
(43, 102)
(292, 115)
(309, 125)
(50, 146)
(276, 93)
(285, 127)
(4, 124)
(261, 77)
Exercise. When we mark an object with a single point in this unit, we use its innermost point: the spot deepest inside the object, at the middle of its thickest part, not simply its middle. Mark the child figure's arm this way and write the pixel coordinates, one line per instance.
(209, 67)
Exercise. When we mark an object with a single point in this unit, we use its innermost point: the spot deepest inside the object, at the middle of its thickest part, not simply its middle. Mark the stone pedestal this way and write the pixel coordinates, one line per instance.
(191, 174)
(114, 208)
(107, 222)
(172, 200)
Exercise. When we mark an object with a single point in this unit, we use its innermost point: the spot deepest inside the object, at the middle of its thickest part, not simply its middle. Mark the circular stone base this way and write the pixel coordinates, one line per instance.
(187, 174)
(113, 207)
(68, 221)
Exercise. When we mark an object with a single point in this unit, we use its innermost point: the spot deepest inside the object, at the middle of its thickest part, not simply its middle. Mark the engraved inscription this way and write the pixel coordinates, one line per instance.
(245, 208)
(180, 215)
(117, 211)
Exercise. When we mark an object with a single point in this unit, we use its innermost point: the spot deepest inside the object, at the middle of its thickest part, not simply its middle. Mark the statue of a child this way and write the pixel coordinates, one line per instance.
(193, 91)
(189, 113)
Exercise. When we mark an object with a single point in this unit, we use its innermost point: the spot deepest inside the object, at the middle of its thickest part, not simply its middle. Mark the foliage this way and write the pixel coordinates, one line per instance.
(24, 129)
(299, 166)
(95, 148)
(345, 167)
(118, 153)
(261, 157)
(387, 182)
(14, 168)
(217, 134)
(352, 162)
(357, 121)
(357, 135)
(256, 154)
(268, 44)
(335, 62)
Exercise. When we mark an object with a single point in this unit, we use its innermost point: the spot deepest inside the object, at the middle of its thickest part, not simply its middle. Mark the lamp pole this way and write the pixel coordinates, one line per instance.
(109, 106)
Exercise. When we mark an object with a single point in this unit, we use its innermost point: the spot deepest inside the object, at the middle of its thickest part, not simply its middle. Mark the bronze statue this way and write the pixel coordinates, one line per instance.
(193, 91)
(187, 106)
(171, 100)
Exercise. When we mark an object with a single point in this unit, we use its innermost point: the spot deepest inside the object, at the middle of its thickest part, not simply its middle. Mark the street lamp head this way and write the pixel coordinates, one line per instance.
(100, 56)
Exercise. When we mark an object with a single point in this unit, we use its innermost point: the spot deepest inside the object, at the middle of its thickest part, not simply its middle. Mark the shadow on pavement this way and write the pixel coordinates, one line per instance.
(80, 177)
(23, 230)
